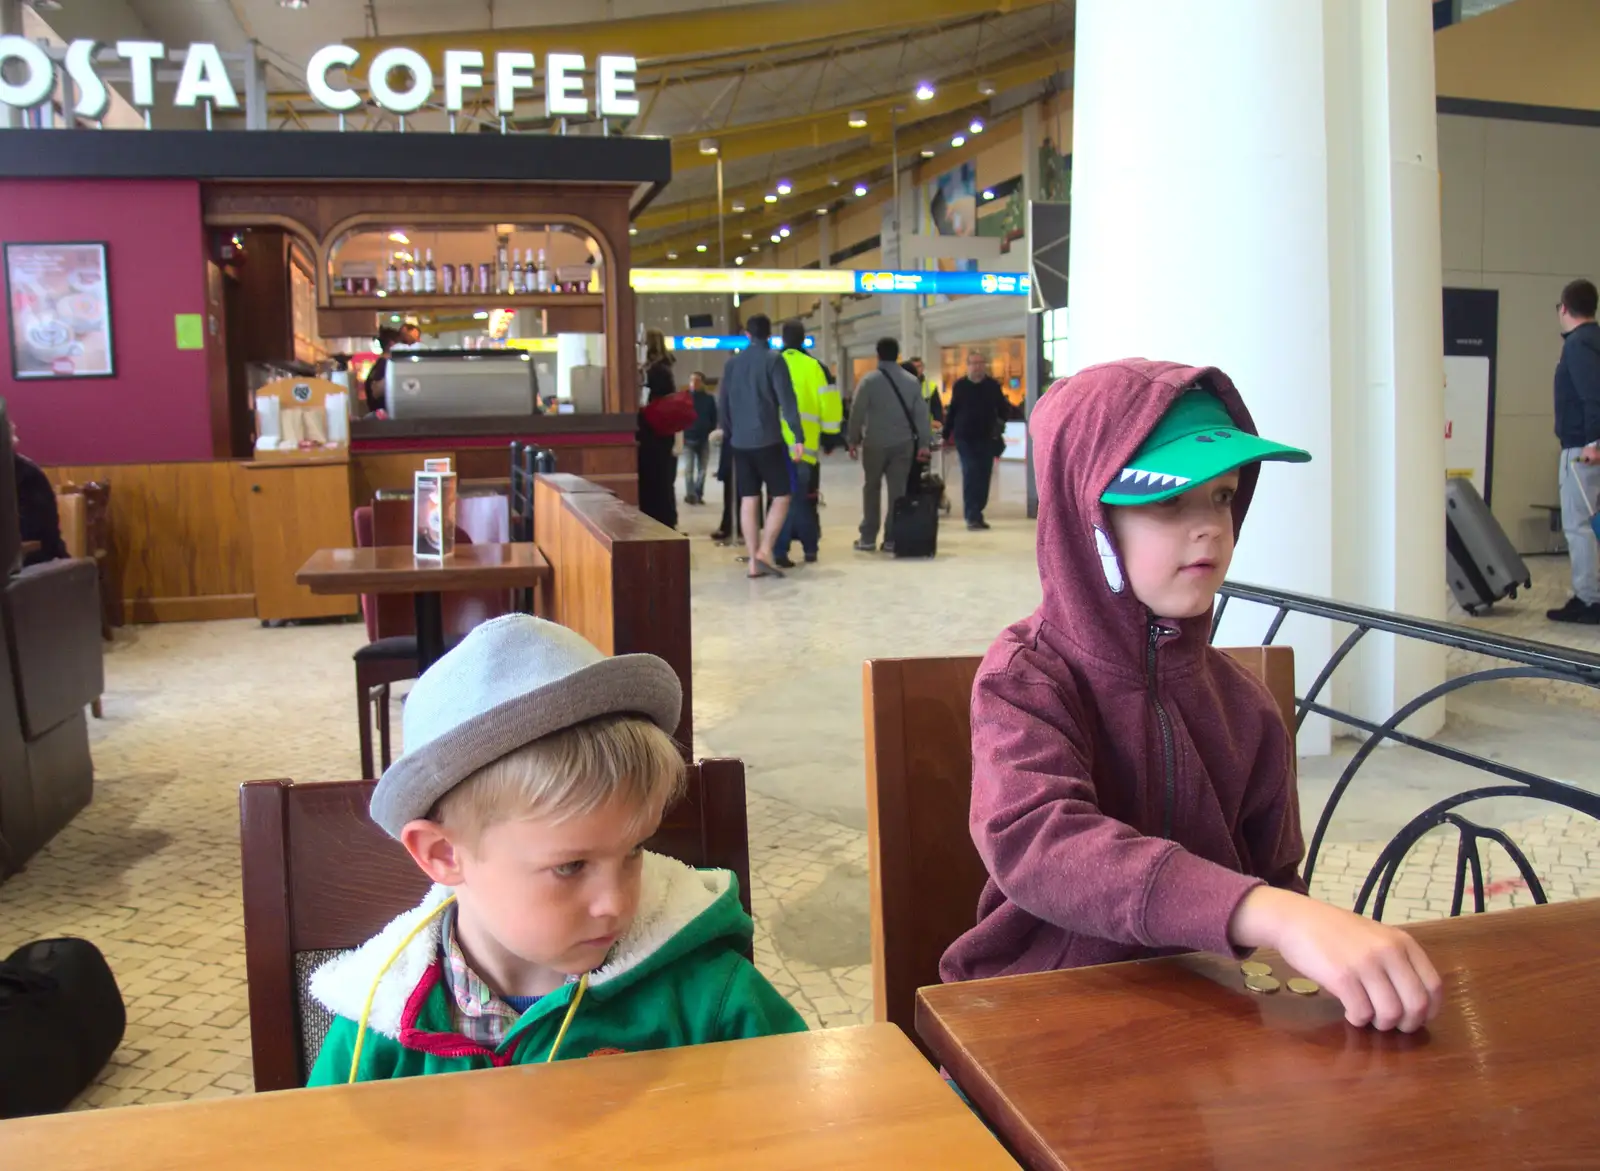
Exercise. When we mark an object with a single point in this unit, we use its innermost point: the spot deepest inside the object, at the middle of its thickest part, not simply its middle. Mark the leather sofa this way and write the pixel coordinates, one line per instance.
(53, 669)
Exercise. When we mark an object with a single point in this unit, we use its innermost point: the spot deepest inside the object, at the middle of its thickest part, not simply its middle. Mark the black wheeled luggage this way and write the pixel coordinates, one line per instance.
(1481, 563)
(916, 523)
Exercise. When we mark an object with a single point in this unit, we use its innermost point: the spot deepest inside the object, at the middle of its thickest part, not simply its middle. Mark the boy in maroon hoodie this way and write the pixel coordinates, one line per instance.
(1132, 788)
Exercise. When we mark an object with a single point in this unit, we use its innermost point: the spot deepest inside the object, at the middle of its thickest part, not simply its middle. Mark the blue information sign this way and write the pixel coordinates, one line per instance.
(954, 284)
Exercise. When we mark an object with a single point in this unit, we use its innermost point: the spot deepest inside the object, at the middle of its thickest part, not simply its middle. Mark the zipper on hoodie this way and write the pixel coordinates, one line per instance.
(1168, 748)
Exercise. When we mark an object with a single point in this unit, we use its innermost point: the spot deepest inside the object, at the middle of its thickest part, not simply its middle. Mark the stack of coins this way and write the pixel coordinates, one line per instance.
(1258, 977)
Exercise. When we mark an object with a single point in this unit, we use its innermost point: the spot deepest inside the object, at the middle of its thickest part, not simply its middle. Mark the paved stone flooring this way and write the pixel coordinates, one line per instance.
(150, 871)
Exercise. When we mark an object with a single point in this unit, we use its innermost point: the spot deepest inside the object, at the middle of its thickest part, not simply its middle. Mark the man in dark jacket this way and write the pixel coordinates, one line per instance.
(697, 441)
(1577, 407)
(973, 422)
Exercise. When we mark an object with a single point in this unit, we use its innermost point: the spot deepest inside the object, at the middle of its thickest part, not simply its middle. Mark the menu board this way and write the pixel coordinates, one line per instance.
(60, 324)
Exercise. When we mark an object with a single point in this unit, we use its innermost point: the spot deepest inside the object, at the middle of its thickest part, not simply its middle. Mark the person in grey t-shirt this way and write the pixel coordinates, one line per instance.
(755, 395)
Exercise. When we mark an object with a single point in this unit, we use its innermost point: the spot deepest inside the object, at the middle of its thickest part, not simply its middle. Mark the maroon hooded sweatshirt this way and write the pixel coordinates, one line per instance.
(1130, 785)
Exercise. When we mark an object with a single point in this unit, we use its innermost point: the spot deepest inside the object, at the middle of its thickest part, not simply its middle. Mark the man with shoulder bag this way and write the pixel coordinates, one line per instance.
(891, 434)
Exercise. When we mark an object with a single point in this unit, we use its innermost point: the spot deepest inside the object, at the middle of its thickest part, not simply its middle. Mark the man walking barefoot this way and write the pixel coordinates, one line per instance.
(756, 398)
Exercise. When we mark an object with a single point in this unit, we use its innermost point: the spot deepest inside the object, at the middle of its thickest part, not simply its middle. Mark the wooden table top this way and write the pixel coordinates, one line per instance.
(391, 569)
(1171, 1063)
(838, 1099)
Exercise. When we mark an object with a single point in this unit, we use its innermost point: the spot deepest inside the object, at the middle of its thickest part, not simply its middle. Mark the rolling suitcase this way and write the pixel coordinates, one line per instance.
(916, 524)
(1480, 562)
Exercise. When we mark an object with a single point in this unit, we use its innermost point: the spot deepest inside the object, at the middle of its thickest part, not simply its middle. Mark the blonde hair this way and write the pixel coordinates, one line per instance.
(570, 774)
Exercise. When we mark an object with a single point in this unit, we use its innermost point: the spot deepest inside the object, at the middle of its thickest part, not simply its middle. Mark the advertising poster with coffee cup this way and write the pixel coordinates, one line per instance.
(60, 311)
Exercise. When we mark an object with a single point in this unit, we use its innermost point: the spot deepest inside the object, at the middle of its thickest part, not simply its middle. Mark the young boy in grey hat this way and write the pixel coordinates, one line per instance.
(535, 769)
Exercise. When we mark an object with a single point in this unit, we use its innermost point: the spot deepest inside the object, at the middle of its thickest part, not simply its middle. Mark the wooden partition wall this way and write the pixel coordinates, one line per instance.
(618, 578)
(180, 538)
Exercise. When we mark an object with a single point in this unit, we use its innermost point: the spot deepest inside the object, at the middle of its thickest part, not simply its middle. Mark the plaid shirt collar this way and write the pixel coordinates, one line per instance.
(477, 1011)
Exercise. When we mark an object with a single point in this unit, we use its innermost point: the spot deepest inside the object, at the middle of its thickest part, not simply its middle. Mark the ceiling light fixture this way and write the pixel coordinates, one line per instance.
(858, 119)
(738, 260)
(400, 237)
(861, 189)
(769, 198)
(988, 193)
(704, 248)
(986, 88)
(672, 256)
(925, 91)
(749, 235)
(776, 238)
(784, 231)
(927, 152)
(783, 187)
(293, 4)
(708, 146)
(977, 126)
(822, 211)
(738, 206)
(958, 140)
(633, 231)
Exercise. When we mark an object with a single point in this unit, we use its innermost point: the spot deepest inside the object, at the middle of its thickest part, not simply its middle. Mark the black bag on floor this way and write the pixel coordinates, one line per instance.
(916, 525)
(1481, 563)
(61, 1019)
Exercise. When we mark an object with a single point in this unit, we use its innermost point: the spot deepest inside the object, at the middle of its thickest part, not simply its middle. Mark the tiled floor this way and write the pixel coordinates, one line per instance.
(150, 871)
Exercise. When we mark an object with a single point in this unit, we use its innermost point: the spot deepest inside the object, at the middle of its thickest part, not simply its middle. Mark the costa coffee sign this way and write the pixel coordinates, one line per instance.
(204, 78)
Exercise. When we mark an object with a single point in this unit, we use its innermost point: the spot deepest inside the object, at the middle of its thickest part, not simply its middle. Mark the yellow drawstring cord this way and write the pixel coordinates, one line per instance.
(572, 1011)
(366, 1009)
(372, 993)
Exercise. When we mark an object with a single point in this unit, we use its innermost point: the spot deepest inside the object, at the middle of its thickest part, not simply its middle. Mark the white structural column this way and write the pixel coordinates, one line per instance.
(1255, 187)
(825, 313)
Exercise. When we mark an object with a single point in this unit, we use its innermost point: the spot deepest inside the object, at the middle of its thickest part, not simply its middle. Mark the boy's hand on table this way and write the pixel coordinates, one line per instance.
(1380, 974)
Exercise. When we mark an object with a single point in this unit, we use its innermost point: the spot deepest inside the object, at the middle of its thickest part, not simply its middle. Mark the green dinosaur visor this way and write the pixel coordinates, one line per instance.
(1197, 440)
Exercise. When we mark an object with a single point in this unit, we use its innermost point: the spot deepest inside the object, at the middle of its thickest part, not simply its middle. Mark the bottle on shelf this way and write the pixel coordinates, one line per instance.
(407, 278)
(485, 279)
(514, 286)
(430, 275)
(464, 279)
(502, 274)
(542, 275)
(391, 277)
(447, 280)
(530, 274)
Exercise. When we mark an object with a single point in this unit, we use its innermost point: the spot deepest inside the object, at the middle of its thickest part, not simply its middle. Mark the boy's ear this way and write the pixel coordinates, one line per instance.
(432, 849)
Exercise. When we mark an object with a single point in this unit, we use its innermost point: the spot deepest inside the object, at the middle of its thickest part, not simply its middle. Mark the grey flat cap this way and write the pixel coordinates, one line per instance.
(511, 681)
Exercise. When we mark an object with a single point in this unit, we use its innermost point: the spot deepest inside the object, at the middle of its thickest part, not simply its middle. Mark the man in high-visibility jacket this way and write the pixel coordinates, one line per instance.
(832, 412)
(810, 384)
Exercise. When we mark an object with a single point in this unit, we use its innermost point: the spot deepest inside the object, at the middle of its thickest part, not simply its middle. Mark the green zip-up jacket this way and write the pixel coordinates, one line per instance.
(677, 977)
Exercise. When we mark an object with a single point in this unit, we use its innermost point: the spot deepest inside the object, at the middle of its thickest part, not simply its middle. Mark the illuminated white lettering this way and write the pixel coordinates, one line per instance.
(616, 80)
(512, 71)
(562, 90)
(317, 84)
(93, 97)
(141, 57)
(421, 80)
(463, 69)
(33, 89)
(205, 77)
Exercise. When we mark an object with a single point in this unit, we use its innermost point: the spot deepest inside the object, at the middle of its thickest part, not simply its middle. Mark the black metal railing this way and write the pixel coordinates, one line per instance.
(1528, 659)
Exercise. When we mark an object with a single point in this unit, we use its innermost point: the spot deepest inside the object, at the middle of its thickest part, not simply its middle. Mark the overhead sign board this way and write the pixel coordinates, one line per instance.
(398, 79)
(749, 281)
(740, 280)
(723, 342)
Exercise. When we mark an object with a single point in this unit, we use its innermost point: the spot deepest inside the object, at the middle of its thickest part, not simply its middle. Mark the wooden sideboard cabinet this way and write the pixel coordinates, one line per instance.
(296, 507)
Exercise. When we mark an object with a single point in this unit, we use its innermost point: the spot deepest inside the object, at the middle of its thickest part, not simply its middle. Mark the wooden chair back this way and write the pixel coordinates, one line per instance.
(73, 515)
(923, 870)
(320, 877)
